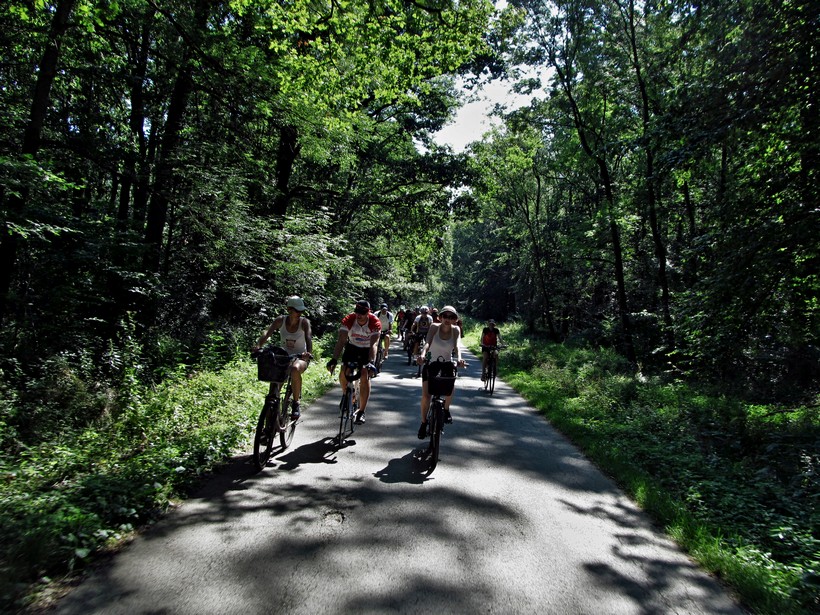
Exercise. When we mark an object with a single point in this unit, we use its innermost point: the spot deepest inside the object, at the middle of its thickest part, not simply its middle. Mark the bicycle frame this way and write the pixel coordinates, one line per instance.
(380, 351)
(350, 400)
(435, 419)
(275, 419)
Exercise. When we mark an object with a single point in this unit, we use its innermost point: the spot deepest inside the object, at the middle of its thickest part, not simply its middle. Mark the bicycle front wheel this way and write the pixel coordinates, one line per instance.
(344, 416)
(491, 370)
(286, 426)
(266, 428)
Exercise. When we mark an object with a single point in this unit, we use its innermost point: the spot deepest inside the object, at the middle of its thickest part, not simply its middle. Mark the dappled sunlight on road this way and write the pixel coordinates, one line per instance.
(512, 520)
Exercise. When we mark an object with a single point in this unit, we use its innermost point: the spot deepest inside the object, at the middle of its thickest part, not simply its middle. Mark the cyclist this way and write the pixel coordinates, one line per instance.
(295, 337)
(358, 335)
(400, 323)
(490, 336)
(385, 317)
(407, 325)
(421, 325)
(441, 342)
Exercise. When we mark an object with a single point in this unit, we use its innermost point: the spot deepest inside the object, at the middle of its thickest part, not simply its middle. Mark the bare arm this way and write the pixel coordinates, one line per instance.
(308, 335)
(275, 326)
(459, 360)
(340, 343)
(431, 333)
(374, 342)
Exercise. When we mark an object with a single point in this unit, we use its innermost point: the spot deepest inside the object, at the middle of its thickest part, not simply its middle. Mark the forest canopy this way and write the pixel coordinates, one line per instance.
(171, 171)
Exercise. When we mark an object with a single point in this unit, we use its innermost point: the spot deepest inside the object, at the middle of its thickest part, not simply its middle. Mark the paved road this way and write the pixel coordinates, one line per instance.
(513, 520)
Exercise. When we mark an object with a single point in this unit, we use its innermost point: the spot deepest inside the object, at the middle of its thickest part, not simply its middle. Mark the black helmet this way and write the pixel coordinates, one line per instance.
(362, 307)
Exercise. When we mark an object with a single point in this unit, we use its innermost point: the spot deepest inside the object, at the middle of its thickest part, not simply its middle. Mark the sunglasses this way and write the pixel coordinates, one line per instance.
(448, 315)
(362, 312)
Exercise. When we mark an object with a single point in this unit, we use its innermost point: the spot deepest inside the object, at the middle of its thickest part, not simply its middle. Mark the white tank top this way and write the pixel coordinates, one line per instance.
(294, 343)
(443, 348)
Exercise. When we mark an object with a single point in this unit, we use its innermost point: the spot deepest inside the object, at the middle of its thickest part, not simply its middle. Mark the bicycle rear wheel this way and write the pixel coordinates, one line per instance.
(266, 428)
(286, 425)
(435, 420)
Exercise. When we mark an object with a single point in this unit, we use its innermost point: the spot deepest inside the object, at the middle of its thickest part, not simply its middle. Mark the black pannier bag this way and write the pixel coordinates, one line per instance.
(441, 378)
(272, 364)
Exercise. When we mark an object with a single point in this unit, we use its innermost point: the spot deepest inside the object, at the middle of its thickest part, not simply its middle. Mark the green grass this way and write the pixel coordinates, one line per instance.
(75, 496)
(735, 484)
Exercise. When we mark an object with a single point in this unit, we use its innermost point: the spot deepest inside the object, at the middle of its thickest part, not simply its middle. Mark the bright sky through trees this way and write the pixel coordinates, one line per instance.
(474, 119)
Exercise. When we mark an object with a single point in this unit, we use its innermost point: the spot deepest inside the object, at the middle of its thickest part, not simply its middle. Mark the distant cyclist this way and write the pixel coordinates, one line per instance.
(359, 333)
(490, 336)
(407, 325)
(400, 323)
(386, 319)
(296, 338)
(421, 325)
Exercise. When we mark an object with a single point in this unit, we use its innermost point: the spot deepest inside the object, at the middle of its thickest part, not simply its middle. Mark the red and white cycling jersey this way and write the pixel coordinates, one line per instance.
(358, 335)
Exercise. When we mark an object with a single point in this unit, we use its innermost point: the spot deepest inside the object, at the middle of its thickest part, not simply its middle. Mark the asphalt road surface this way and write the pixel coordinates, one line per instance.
(513, 520)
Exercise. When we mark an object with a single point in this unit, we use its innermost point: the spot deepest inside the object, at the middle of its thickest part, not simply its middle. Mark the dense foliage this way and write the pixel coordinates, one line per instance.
(660, 194)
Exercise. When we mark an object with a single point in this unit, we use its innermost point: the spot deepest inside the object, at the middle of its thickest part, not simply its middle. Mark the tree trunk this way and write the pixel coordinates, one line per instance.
(649, 180)
(615, 234)
(163, 184)
(539, 269)
(286, 155)
(135, 159)
(9, 242)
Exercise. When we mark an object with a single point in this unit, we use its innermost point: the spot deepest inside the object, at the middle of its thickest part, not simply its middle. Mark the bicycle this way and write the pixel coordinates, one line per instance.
(413, 353)
(349, 404)
(491, 368)
(410, 347)
(380, 351)
(439, 385)
(273, 365)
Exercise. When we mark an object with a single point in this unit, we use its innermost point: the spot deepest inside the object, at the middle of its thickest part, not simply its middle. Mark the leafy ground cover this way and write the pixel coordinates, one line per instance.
(79, 494)
(736, 484)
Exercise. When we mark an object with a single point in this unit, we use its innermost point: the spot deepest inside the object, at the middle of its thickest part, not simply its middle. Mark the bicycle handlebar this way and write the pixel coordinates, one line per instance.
(353, 366)
(256, 352)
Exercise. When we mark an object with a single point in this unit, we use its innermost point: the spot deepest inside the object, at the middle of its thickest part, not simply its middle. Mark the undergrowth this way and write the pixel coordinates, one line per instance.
(80, 492)
(736, 484)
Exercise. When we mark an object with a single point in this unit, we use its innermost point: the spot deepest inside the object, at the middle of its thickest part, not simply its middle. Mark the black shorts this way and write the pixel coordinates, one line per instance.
(354, 353)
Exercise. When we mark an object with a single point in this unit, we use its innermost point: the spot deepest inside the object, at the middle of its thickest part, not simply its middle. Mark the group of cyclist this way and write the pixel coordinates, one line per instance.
(432, 331)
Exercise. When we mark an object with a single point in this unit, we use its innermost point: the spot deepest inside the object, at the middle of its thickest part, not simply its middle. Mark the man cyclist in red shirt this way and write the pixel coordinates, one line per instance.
(490, 336)
(359, 333)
